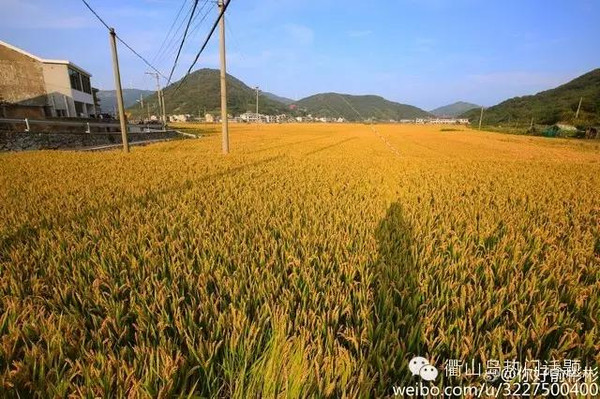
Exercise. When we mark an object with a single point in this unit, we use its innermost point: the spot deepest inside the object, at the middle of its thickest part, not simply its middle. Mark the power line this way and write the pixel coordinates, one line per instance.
(170, 48)
(140, 57)
(120, 39)
(96, 14)
(169, 31)
(174, 38)
(168, 54)
(182, 41)
(214, 27)
(195, 28)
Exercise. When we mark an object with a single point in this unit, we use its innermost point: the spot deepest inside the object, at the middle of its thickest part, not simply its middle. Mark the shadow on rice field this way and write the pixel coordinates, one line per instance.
(397, 330)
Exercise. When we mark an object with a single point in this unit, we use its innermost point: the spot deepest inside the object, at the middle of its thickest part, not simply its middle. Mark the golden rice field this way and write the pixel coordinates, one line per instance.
(311, 262)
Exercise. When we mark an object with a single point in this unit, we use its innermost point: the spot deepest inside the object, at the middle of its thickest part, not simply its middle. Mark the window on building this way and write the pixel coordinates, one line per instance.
(87, 86)
(79, 108)
(74, 76)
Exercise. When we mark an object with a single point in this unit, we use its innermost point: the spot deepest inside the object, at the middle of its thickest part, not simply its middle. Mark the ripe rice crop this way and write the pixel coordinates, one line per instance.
(311, 261)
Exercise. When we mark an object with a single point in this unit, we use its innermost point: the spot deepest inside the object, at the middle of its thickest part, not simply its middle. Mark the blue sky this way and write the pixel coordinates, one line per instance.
(422, 52)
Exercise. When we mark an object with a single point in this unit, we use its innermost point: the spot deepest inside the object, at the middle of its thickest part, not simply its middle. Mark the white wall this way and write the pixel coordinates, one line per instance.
(58, 84)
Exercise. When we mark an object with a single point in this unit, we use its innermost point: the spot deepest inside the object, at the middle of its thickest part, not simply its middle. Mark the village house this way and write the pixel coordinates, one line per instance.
(33, 87)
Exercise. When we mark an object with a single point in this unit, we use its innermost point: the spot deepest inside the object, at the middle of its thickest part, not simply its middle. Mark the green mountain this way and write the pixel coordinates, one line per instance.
(350, 107)
(550, 106)
(455, 109)
(108, 98)
(274, 97)
(201, 93)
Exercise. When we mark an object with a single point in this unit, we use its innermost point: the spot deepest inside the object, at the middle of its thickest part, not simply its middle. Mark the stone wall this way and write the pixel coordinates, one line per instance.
(21, 79)
(20, 141)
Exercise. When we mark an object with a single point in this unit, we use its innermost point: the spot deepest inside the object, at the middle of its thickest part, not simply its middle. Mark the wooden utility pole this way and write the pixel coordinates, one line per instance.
(117, 73)
(578, 107)
(480, 118)
(224, 121)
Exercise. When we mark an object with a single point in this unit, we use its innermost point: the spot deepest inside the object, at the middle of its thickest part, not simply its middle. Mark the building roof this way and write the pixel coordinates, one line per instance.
(43, 60)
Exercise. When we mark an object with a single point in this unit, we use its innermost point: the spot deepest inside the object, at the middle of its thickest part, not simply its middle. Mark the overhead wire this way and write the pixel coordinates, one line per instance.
(169, 31)
(214, 27)
(182, 41)
(202, 19)
(170, 48)
(120, 39)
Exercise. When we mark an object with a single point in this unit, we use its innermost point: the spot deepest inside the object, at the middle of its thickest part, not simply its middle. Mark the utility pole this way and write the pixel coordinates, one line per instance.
(141, 101)
(117, 73)
(257, 91)
(164, 107)
(480, 118)
(160, 98)
(578, 107)
(224, 122)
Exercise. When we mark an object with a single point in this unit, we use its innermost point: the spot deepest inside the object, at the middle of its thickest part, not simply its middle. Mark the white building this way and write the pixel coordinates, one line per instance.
(58, 88)
(180, 118)
(252, 117)
(447, 121)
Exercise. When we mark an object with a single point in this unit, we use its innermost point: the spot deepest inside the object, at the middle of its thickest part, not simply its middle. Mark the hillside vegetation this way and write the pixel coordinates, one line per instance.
(455, 109)
(201, 93)
(310, 262)
(355, 108)
(550, 106)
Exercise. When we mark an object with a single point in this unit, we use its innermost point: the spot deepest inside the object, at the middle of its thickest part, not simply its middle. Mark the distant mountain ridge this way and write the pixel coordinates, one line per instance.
(275, 97)
(550, 106)
(355, 108)
(455, 109)
(108, 98)
(201, 93)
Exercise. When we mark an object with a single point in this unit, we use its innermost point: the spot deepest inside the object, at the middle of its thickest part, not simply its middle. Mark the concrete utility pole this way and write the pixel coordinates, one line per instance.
(531, 125)
(164, 107)
(578, 107)
(117, 73)
(160, 98)
(257, 91)
(224, 122)
(480, 118)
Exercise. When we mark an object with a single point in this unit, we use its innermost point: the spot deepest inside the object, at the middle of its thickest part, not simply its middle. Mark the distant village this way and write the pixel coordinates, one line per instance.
(252, 117)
